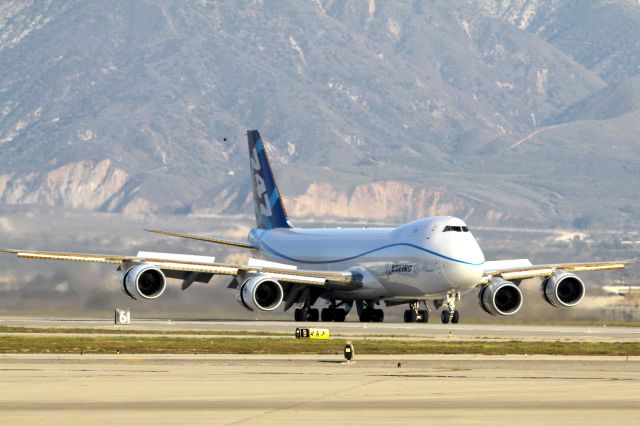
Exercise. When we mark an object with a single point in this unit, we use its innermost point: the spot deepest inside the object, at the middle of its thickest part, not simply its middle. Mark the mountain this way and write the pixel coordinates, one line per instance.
(615, 100)
(600, 35)
(506, 112)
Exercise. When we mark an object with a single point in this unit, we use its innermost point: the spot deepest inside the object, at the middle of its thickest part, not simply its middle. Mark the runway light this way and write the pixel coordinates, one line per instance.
(349, 352)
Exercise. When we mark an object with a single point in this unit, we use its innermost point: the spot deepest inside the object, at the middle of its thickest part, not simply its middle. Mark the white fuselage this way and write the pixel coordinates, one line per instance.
(423, 259)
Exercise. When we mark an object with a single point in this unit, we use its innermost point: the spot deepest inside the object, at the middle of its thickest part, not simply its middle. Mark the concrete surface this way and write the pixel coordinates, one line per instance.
(227, 389)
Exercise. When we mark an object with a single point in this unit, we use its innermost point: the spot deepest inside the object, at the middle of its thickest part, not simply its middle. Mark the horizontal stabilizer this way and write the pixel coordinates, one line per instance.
(235, 243)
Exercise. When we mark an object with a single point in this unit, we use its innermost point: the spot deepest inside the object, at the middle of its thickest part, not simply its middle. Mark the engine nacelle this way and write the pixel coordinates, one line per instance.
(144, 281)
(563, 290)
(260, 293)
(501, 298)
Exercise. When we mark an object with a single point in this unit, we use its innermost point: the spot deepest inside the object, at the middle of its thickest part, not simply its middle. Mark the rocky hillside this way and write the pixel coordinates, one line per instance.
(522, 111)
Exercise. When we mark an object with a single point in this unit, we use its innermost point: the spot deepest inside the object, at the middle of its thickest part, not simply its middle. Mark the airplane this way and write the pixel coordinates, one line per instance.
(433, 259)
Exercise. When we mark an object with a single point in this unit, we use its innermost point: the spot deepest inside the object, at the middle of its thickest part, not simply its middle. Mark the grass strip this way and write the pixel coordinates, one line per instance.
(122, 330)
(283, 346)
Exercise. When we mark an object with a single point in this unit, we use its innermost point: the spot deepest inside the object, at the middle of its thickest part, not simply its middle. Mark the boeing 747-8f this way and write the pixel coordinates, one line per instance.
(432, 259)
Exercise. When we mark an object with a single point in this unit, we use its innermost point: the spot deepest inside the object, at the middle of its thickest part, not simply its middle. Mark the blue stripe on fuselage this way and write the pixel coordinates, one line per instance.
(318, 262)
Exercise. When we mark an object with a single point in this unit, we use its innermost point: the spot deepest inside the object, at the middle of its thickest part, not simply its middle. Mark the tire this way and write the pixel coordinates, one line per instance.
(456, 317)
(365, 316)
(413, 316)
(339, 315)
(378, 315)
(444, 316)
(313, 315)
(424, 316)
(299, 315)
(407, 316)
(327, 315)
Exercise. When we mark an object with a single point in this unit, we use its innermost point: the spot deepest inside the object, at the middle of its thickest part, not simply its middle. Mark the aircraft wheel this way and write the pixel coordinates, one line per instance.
(327, 315)
(456, 317)
(444, 316)
(300, 315)
(424, 316)
(378, 315)
(407, 316)
(313, 315)
(339, 315)
(366, 315)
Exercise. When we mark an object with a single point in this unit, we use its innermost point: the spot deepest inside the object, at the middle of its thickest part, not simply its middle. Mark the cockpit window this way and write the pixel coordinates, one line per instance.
(450, 228)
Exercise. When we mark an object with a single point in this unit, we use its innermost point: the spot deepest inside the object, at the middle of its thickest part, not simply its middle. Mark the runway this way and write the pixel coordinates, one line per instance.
(246, 390)
(321, 389)
(354, 330)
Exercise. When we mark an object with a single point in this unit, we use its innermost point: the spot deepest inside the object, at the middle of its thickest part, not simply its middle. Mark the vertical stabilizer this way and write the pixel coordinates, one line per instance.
(270, 212)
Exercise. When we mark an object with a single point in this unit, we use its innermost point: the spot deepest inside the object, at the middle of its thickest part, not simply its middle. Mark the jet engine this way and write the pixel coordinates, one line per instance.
(145, 281)
(501, 298)
(563, 290)
(260, 293)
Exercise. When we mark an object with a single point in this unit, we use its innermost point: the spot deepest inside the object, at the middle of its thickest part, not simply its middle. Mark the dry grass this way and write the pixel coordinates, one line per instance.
(256, 345)
(128, 330)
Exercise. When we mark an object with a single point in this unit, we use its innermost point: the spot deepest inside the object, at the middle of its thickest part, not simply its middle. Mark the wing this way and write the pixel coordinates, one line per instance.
(509, 272)
(201, 268)
(235, 243)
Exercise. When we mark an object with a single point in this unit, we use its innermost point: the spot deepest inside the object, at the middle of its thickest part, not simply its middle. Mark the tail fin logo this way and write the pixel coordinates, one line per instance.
(269, 209)
(261, 187)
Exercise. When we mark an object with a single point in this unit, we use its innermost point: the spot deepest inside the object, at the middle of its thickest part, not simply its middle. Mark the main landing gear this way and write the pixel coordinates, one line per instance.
(306, 314)
(336, 313)
(415, 314)
(449, 314)
(368, 313)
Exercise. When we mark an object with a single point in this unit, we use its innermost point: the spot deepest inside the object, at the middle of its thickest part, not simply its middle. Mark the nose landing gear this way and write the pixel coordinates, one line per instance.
(449, 314)
(446, 317)
(415, 314)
